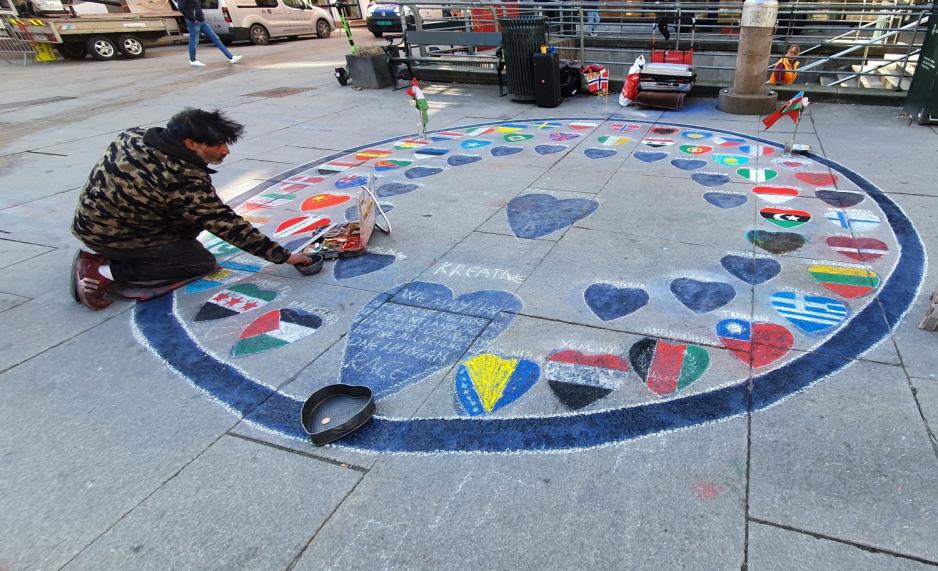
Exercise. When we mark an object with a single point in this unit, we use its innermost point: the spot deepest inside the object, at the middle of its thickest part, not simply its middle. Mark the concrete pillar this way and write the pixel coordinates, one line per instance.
(749, 95)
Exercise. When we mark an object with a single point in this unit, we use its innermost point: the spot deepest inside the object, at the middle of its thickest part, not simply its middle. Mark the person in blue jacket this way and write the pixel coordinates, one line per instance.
(195, 21)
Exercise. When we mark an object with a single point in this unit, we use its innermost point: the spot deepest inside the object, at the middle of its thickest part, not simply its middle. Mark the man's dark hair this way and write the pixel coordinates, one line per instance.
(206, 127)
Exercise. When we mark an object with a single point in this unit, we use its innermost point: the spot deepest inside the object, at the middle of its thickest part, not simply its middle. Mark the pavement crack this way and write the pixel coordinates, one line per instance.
(309, 455)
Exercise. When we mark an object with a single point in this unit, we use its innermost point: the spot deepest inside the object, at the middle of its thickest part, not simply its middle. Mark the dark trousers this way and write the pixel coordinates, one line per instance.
(167, 263)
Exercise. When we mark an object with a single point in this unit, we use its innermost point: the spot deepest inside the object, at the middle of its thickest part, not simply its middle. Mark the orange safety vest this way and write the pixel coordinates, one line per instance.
(785, 72)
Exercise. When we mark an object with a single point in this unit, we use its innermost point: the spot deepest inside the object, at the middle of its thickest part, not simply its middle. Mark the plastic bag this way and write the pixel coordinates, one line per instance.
(630, 85)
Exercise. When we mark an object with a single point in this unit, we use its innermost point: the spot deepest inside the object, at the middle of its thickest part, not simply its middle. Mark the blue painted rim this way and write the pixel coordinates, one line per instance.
(264, 406)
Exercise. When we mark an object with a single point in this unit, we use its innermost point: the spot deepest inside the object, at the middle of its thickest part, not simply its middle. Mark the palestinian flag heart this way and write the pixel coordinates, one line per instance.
(300, 225)
(579, 380)
(582, 125)
(267, 200)
(333, 167)
(695, 150)
(486, 383)
(859, 249)
(848, 282)
(391, 164)
(613, 140)
(657, 143)
(731, 161)
(318, 201)
(785, 217)
(369, 154)
(667, 367)
(275, 329)
(757, 175)
(300, 182)
(517, 137)
(756, 344)
(775, 194)
(411, 144)
(817, 178)
(625, 127)
(237, 299)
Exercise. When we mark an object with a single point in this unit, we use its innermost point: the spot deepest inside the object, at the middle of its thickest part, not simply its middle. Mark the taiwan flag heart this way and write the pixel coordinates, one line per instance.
(785, 217)
(578, 379)
(667, 367)
(848, 282)
(756, 344)
(486, 383)
(275, 329)
(859, 249)
(235, 300)
(319, 201)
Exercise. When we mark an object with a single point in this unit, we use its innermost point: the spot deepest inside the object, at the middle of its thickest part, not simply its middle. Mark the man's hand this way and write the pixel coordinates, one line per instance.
(299, 260)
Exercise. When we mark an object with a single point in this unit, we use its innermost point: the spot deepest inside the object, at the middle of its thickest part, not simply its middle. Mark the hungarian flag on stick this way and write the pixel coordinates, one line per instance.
(420, 101)
(793, 108)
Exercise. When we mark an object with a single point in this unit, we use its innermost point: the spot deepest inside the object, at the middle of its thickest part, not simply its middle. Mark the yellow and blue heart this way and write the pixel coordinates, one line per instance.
(486, 383)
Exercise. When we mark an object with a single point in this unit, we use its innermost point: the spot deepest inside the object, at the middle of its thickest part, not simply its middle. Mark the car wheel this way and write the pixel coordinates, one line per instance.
(259, 35)
(323, 29)
(378, 34)
(131, 46)
(72, 50)
(102, 48)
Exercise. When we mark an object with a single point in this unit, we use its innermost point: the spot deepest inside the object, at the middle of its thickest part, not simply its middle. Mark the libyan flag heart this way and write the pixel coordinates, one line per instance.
(486, 383)
(667, 367)
(237, 299)
(785, 217)
(757, 344)
(275, 329)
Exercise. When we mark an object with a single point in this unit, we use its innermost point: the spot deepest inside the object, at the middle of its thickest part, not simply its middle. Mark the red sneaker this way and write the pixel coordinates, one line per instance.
(90, 286)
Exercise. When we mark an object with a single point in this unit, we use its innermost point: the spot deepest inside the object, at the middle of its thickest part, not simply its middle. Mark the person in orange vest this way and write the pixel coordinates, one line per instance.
(785, 72)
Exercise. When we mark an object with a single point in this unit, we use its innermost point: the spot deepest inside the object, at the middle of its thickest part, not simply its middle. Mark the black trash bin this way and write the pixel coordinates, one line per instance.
(521, 39)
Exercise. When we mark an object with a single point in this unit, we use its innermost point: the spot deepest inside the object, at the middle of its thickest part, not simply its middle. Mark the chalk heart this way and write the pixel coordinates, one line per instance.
(753, 271)
(710, 179)
(650, 156)
(351, 182)
(537, 215)
(549, 149)
(766, 343)
(726, 200)
(666, 368)
(695, 150)
(776, 242)
(462, 160)
(351, 213)
(358, 266)
(421, 172)
(688, 164)
(599, 153)
(609, 302)
(701, 296)
(394, 189)
(486, 383)
(817, 178)
(319, 201)
(275, 329)
(504, 151)
(839, 198)
(424, 329)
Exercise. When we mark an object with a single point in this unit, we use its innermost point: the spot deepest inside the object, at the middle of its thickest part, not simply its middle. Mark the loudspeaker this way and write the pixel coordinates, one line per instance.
(547, 80)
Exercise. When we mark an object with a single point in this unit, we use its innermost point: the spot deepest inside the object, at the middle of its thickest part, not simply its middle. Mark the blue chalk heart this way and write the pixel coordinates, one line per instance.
(710, 179)
(700, 296)
(394, 188)
(460, 160)
(609, 302)
(432, 151)
(753, 271)
(351, 213)
(537, 215)
(549, 149)
(420, 172)
(726, 199)
(650, 156)
(599, 153)
(365, 264)
(425, 329)
(689, 164)
(504, 151)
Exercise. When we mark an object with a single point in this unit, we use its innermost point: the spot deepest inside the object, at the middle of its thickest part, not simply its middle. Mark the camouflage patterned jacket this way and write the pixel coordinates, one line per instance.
(150, 190)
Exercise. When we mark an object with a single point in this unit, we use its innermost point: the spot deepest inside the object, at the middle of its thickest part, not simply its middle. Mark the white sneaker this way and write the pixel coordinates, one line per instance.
(196, 63)
(234, 59)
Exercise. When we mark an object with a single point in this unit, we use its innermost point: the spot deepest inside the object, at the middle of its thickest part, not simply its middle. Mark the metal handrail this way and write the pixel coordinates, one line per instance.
(903, 59)
(870, 42)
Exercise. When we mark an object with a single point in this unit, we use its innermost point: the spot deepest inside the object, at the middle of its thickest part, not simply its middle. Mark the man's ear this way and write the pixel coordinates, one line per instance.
(190, 144)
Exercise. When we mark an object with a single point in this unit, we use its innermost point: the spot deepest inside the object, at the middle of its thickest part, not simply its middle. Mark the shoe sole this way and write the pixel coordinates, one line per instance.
(73, 280)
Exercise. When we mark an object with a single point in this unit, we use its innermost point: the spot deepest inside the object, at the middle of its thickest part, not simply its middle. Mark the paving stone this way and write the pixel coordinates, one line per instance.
(56, 213)
(773, 548)
(853, 445)
(214, 515)
(12, 253)
(8, 301)
(926, 393)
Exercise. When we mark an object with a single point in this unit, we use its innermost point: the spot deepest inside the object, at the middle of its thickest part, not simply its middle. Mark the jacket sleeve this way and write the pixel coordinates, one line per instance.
(204, 208)
(191, 10)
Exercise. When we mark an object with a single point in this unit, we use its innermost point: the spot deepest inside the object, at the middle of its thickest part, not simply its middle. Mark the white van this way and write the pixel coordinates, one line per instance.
(258, 21)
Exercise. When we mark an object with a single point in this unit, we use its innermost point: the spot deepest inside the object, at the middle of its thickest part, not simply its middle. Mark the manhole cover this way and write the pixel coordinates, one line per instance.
(279, 92)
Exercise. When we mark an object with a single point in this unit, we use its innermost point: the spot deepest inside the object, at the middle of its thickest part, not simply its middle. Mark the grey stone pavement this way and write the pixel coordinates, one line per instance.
(110, 460)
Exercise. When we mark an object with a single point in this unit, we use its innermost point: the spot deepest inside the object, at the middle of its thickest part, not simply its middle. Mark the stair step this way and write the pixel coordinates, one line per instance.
(871, 82)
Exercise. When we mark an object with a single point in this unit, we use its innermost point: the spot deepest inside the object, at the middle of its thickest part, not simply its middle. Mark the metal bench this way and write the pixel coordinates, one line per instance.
(462, 52)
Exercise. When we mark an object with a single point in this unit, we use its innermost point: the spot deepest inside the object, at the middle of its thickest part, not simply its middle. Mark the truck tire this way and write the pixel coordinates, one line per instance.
(323, 29)
(131, 46)
(72, 50)
(259, 35)
(101, 48)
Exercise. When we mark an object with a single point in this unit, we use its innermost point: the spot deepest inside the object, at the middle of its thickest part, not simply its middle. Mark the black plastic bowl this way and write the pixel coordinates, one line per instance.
(347, 407)
(312, 268)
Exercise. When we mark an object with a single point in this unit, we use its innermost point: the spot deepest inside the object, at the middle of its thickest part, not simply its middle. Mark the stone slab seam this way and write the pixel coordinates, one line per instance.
(310, 455)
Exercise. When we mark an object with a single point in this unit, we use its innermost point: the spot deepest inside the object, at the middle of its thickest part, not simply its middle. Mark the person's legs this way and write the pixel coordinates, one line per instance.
(210, 34)
(193, 28)
(593, 19)
(160, 264)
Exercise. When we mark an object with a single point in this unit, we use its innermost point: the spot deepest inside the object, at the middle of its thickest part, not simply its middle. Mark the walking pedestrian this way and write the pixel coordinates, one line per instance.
(195, 22)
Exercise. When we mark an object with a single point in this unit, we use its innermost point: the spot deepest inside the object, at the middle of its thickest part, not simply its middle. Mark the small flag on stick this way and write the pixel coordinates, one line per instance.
(793, 108)
(421, 103)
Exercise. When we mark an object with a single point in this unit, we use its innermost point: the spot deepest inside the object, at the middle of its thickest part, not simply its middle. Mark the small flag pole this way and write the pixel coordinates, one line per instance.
(790, 146)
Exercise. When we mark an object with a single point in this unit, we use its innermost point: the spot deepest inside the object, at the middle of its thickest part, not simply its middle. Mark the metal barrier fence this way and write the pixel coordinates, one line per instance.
(29, 38)
(843, 42)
